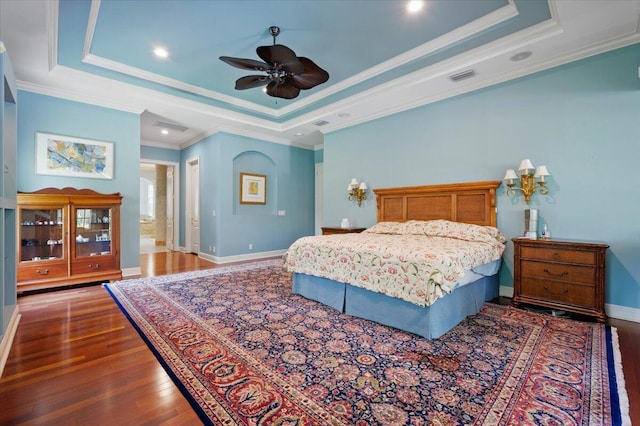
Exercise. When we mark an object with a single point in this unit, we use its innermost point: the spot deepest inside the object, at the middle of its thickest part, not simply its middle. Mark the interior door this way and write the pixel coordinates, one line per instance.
(319, 190)
(193, 210)
(170, 213)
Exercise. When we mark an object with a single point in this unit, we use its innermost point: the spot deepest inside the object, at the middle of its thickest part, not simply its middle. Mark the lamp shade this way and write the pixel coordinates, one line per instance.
(511, 174)
(541, 171)
(363, 185)
(526, 165)
(354, 182)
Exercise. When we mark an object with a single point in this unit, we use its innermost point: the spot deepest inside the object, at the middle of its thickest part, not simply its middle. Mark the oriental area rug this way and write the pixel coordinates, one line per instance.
(244, 350)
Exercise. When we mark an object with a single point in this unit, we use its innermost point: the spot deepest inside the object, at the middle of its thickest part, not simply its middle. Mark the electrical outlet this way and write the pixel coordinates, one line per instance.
(210, 248)
(282, 212)
(214, 249)
(250, 246)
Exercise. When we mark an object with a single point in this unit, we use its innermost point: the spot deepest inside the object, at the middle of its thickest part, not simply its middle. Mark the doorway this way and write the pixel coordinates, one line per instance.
(192, 214)
(158, 201)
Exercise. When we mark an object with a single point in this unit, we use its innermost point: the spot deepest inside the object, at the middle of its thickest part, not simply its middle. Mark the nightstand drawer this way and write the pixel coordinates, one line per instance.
(559, 255)
(573, 294)
(559, 272)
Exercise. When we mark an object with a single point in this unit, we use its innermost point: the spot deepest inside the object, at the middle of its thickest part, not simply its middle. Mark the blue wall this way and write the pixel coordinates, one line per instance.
(160, 154)
(38, 113)
(290, 187)
(581, 120)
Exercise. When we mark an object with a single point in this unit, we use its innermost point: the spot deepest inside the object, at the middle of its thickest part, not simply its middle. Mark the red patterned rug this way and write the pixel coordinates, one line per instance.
(244, 350)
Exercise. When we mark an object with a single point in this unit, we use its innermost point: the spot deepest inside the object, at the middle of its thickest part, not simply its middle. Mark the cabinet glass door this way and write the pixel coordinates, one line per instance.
(92, 235)
(41, 234)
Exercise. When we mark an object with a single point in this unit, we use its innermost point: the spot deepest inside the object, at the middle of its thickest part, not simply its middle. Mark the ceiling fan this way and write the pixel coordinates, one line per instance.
(287, 73)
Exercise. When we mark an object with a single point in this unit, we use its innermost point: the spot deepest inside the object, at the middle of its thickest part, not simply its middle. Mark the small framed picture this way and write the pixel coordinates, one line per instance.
(69, 156)
(253, 188)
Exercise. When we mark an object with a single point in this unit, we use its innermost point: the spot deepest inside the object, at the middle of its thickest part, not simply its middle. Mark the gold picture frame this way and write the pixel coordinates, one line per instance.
(253, 188)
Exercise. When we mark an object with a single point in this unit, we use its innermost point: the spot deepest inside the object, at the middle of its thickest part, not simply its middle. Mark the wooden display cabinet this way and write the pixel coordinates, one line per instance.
(66, 237)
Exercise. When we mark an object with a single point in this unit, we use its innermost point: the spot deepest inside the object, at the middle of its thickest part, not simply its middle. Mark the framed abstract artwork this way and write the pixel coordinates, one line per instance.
(69, 156)
(253, 188)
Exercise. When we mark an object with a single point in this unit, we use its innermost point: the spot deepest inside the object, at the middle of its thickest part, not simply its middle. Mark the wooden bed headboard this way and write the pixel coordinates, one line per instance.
(472, 202)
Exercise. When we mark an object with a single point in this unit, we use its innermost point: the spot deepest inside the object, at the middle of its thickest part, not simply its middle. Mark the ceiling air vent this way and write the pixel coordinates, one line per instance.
(462, 75)
(321, 123)
(165, 125)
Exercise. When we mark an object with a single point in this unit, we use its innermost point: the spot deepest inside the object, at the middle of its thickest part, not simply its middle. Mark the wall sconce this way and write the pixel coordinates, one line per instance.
(357, 191)
(527, 180)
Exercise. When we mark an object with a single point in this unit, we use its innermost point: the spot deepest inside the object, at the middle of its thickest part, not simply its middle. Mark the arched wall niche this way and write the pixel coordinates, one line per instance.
(255, 162)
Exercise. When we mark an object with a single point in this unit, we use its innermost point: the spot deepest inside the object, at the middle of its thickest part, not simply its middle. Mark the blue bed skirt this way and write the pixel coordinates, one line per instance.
(430, 322)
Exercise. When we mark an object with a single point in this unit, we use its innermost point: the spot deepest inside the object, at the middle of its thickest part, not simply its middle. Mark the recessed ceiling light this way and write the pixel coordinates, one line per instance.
(299, 134)
(164, 131)
(161, 52)
(415, 6)
(521, 56)
(343, 115)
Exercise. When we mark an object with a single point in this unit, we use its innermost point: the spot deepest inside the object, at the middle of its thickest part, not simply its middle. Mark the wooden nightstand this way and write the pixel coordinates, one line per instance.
(565, 275)
(331, 231)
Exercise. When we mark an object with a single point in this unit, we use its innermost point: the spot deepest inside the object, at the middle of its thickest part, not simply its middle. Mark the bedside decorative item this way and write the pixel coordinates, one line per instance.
(345, 223)
(357, 191)
(528, 180)
(546, 233)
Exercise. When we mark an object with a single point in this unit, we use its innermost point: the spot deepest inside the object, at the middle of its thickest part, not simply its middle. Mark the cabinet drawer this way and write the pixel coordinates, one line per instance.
(42, 271)
(558, 255)
(559, 271)
(95, 264)
(573, 294)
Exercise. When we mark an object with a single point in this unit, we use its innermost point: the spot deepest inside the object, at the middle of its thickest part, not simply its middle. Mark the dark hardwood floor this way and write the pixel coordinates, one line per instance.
(76, 360)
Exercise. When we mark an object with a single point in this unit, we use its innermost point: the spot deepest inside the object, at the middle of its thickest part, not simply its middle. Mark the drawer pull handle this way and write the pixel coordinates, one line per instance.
(96, 266)
(565, 291)
(44, 272)
(555, 255)
(563, 274)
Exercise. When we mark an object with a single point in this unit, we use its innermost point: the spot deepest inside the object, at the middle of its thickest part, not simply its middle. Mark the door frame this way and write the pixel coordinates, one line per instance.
(188, 242)
(176, 195)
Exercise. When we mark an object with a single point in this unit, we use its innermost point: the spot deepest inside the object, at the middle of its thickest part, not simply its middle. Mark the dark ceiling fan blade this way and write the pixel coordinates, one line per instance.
(311, 76)
(282, 90)
(282, 56)
(251, 81)
(246, 64)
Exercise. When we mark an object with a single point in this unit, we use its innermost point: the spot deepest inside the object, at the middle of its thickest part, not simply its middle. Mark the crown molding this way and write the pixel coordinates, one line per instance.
(479, 25)
(511, 43)
(64, 93)
(156, 144)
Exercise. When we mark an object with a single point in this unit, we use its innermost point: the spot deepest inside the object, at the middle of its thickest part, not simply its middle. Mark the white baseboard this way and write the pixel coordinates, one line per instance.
(506, 291)
(241, 257)
(128, 273)
(622, 312)
(614, 311)
(7, 338)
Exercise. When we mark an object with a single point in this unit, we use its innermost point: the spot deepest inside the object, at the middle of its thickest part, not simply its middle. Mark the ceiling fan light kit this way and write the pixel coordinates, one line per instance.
(286, 73)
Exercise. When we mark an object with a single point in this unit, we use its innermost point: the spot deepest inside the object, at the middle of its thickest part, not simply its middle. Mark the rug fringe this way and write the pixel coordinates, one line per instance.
(622, 390)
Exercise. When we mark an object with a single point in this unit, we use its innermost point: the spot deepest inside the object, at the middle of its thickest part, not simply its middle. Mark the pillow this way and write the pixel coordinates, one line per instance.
(461, 231)
(387, 228)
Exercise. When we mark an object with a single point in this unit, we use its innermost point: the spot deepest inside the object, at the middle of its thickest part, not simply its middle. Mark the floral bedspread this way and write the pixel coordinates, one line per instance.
(417, 261)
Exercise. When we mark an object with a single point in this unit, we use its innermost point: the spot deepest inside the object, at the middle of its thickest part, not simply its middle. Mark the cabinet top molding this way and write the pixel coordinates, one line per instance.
(68, 191)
